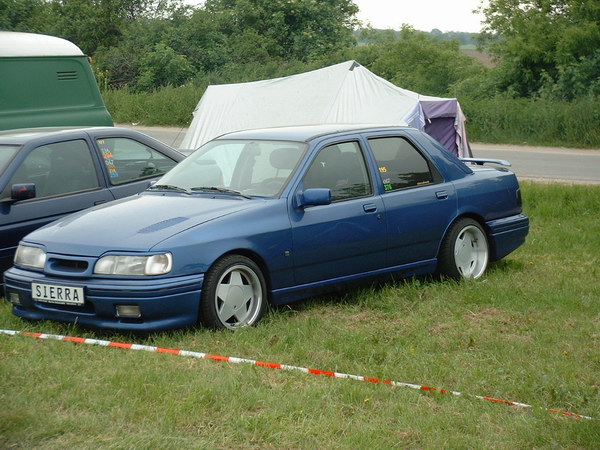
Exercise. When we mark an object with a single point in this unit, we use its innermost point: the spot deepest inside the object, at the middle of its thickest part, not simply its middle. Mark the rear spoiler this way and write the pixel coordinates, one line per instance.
(482, 161)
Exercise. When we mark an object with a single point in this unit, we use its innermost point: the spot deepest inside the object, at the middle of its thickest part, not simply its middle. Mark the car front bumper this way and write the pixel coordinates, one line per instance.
(164, 303)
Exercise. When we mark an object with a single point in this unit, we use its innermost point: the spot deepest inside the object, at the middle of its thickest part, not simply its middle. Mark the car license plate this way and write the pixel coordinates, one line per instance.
(50, 293)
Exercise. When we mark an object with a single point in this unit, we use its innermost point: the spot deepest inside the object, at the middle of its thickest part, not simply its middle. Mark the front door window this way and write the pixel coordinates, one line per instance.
(57, 169)
(342, 169)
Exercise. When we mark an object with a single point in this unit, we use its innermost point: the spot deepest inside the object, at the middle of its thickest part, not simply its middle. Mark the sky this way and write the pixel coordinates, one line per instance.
(424, 15)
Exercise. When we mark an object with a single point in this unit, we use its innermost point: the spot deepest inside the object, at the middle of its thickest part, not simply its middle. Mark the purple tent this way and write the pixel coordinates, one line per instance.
(444, 121)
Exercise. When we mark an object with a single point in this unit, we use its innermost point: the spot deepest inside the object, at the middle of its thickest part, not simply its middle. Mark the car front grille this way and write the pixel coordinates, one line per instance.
(69, 266)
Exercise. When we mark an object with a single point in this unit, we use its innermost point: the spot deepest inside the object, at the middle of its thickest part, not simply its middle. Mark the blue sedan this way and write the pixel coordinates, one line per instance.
(269, 216)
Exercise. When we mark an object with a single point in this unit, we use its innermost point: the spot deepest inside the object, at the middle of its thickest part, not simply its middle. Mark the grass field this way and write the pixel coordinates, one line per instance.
(528, 331)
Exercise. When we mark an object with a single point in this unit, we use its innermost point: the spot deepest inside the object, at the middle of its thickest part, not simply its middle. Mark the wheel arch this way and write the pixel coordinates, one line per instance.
(481, 221)
(467, 215)
(446, 258)
(258, 260)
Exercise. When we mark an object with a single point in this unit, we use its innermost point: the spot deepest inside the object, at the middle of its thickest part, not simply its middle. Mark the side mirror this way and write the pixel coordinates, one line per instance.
(314, 197)
(22, 191)
(151, 183)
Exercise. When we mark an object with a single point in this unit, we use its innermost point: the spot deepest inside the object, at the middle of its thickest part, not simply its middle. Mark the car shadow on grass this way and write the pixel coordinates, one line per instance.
(505, 265)
(367, 294)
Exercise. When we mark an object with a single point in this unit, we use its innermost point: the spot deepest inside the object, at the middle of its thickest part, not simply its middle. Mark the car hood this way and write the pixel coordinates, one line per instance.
(135, 223)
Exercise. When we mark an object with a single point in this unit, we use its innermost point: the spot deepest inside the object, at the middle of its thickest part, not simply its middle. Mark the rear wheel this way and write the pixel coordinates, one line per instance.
(234, 294)
(465, 250)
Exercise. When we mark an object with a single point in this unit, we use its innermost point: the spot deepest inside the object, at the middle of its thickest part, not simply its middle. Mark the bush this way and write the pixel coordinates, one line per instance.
(535, 122)
(168, 106)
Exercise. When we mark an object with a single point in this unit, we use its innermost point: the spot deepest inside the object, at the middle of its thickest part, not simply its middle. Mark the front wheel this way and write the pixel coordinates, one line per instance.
(465, 250)
(234, 294)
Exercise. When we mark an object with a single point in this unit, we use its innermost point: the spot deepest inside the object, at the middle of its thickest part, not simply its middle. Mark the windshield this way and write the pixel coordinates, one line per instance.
(6, 154)
(259, 168)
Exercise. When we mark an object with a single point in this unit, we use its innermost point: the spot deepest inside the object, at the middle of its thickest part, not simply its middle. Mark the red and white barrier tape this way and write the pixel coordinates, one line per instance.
(232, 359)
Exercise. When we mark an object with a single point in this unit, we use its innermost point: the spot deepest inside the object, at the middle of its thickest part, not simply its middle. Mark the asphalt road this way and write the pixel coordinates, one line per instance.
(551, 164)
(546, 163)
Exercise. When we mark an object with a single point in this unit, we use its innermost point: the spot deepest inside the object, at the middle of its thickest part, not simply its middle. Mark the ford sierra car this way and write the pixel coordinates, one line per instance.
(269, 216)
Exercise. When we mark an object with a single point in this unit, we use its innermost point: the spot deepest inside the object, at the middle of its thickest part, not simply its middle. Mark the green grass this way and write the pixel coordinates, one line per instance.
(528, 331)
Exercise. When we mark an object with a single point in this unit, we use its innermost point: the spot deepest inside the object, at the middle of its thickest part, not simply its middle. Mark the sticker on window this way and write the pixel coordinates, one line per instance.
(107, 156)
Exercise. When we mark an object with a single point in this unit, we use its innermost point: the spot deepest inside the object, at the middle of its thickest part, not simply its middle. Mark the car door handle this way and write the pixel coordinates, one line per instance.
(441, 195)
(99, 202)
(370, 207)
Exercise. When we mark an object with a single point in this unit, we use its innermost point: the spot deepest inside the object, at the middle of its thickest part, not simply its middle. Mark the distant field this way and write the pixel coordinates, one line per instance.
(482, 57)
(528, 331)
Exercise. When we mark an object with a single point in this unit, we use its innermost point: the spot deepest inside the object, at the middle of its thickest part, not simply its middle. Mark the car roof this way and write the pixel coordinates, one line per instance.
(23, 135)
(305, 133)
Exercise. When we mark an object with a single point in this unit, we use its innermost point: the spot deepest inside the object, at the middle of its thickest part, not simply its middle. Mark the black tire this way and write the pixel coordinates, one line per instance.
(234, 294)
(465, 250)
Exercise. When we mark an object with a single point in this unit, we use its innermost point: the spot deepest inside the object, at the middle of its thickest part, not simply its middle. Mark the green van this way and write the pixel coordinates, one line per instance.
(46, 81)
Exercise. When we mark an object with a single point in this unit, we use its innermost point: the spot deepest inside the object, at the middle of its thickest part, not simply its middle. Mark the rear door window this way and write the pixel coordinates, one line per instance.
(129, 160)
(401, 165)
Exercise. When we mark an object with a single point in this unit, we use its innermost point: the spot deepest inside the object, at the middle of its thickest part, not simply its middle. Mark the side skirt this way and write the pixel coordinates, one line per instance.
(295, 293)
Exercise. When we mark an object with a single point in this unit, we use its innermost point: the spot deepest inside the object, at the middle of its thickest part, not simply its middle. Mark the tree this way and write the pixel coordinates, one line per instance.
(88, 23)
(144, 51)
(24, 15)
(545, 46)
(199, 38)
(289, 29)
(418, 61)
(163, 67)
(145, 44)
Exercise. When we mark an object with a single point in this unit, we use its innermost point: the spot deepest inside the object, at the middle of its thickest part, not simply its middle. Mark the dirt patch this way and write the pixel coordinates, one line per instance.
(485, 315)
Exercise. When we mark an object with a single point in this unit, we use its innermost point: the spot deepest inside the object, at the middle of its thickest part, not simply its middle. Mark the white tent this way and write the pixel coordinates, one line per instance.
(342, 93)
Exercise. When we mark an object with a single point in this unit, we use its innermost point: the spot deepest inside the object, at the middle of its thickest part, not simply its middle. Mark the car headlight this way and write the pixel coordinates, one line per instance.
(33, 257)
(134, 265)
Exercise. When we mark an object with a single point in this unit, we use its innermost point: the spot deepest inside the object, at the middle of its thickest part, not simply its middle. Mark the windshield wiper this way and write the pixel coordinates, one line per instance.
(168, 187)
(220, 190)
